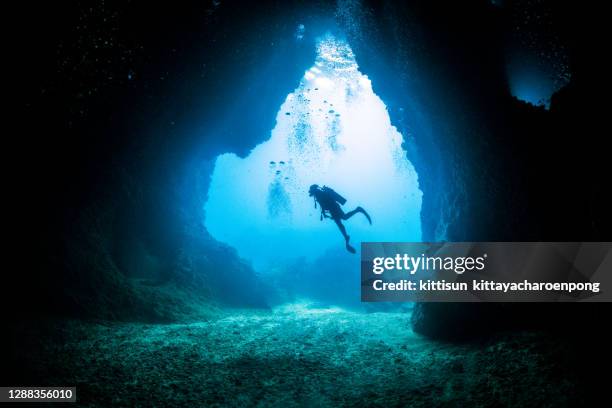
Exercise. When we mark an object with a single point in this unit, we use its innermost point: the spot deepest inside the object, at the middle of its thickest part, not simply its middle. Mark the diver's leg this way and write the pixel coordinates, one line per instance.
(342, 229)
(355, 211)
(344, 234)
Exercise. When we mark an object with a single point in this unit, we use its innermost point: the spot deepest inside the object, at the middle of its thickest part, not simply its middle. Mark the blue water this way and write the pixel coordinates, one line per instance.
(331, 130)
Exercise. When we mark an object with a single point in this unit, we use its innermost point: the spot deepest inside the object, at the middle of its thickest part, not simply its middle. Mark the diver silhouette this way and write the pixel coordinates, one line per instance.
(330, 203)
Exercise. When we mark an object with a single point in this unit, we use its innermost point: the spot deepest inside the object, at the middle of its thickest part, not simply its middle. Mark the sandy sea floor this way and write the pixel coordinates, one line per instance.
(295, 355)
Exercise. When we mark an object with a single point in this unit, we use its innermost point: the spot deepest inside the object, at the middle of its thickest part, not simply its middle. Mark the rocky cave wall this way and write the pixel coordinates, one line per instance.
(492, 168)
(122, 167)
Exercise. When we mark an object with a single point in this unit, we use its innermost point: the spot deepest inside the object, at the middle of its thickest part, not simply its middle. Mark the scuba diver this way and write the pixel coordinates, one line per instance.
(330, 203)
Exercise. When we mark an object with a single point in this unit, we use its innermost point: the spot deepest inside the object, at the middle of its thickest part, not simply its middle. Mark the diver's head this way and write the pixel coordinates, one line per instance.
(313, 189)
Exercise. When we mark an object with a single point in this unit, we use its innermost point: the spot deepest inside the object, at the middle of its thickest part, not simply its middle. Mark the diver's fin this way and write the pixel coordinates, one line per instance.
(350, 248)
(361, 210)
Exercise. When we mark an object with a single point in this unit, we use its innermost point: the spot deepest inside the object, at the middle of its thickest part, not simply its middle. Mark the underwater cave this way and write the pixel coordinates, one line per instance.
(177, 252)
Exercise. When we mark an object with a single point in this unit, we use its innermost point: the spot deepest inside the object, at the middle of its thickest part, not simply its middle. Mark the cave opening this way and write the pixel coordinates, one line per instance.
(331, 130)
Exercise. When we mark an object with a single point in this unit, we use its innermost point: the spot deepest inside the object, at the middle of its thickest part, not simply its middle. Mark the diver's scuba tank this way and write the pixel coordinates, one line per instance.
(335, 196)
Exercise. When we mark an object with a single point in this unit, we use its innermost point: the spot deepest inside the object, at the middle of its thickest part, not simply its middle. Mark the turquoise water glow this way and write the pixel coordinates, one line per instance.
(331, 130)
